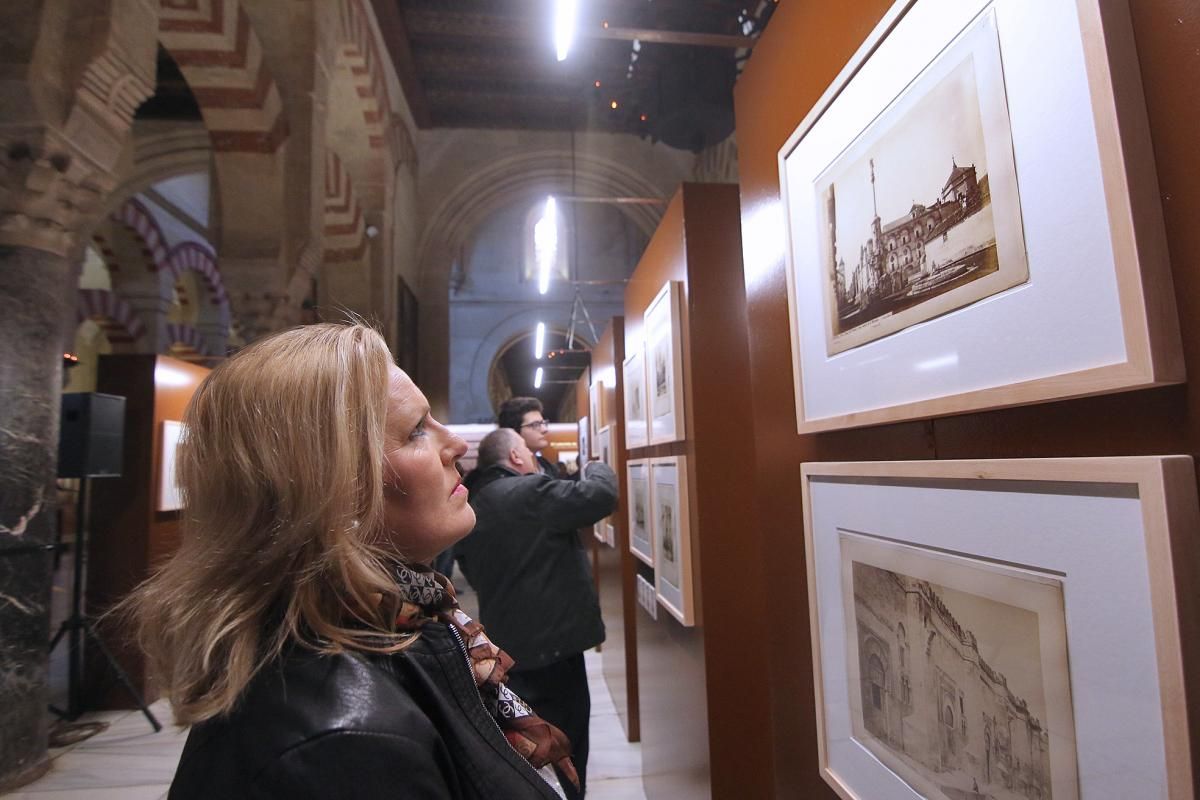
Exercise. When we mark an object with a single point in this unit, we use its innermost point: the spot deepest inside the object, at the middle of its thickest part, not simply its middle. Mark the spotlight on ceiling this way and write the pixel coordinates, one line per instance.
(537, 378)
(539, 340)
(564, 26)
(545, 243)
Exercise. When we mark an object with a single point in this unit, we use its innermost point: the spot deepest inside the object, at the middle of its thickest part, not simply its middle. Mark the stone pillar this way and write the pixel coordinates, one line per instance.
(72, 76)
(33, 304)
(151, 307)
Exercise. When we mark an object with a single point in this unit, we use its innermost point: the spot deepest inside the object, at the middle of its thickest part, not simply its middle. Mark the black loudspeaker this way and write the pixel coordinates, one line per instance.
(91, 435)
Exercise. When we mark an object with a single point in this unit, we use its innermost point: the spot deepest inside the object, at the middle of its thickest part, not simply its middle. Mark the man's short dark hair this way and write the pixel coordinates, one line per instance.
(513, 411)
(495, 447)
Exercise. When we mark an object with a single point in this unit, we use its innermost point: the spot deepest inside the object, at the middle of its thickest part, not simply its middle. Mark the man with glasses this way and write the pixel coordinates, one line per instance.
(525, 416)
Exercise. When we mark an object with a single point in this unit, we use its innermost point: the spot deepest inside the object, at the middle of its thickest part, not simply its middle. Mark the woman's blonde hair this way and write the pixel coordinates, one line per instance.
(281, 470)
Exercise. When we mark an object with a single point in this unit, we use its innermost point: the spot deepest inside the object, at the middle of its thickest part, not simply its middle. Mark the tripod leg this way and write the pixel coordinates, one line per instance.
(62, 630)
(121, 675)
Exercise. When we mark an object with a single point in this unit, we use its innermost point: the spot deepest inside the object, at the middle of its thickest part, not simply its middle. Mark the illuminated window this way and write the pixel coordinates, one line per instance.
(560, 269)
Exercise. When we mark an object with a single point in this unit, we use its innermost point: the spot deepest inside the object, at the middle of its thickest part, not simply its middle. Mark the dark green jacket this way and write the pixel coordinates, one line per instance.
(524, 558)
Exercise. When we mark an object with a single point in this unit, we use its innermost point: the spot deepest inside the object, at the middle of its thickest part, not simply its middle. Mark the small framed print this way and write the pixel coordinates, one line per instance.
(671, 528)
(169, 497)
(584, 434)
(664, 367)
(945, 597)
(596, 408)
(634, 370)
(641, 534)
(604, 445)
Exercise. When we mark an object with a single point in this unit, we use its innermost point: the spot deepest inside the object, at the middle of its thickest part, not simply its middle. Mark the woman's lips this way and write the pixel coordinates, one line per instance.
(458, 489)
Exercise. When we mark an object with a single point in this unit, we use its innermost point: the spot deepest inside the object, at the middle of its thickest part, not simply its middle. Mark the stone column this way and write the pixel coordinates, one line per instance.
(72, 76)
(33, 304)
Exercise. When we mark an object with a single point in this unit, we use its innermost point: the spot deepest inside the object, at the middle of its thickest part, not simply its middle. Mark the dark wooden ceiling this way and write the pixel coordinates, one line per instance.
(491, 64)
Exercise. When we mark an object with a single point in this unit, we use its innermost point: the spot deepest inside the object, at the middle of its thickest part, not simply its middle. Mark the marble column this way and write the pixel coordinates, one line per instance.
(33, 295)
(71, 82)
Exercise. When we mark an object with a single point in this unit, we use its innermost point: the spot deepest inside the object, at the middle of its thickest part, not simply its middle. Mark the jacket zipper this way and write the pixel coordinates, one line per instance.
(462, 646)
(471, 671)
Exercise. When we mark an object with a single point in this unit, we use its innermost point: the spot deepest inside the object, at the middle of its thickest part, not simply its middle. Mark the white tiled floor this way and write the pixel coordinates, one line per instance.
(131, 762)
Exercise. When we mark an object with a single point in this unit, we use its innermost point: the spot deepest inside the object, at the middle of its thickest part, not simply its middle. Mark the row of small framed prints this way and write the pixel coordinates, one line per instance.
(660, 529)
(653, 374)
(1002, 625)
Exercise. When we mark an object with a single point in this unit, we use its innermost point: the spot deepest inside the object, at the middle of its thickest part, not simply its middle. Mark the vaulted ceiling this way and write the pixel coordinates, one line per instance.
(658, 68)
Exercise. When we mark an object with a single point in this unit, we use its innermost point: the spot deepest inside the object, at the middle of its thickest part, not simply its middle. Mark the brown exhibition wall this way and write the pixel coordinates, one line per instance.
(128, 536)
(806, 45)
(703, 696)
(614, 565)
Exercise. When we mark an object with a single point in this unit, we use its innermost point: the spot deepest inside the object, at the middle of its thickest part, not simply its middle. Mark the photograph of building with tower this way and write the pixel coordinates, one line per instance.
(908, 229)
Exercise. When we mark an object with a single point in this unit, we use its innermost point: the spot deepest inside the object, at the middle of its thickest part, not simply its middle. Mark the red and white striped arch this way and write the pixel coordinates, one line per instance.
(345, 237)
(196, 257)
(185, 338)
(115, 317)
(221, 57)
(136, 217)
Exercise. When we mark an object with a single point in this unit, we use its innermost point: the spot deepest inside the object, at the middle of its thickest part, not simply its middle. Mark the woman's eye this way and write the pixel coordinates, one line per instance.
(417, 431)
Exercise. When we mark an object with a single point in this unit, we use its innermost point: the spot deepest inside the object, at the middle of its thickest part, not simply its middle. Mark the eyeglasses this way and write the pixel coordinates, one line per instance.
(540, 424)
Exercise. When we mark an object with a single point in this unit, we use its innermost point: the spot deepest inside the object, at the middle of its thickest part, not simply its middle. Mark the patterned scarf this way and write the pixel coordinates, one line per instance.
(428, 596)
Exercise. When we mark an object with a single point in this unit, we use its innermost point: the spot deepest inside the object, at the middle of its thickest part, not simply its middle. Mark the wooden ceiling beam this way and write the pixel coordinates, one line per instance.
(426, 23)
(396, 38)
(646, 35)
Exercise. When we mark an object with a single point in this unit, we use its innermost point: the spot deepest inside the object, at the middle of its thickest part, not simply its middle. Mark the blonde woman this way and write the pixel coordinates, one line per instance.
(297, 629)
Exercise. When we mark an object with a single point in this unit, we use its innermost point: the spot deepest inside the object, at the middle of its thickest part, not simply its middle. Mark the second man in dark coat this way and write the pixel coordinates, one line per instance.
(537, 599)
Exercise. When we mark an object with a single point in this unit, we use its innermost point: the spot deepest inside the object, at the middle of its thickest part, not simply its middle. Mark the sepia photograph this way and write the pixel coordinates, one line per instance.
(954, 682)
(670, 528)
(635, 400)
(662, 389)
(664, 364)
(668, 533)
(908, 214)
(583, 434)
(641, 542)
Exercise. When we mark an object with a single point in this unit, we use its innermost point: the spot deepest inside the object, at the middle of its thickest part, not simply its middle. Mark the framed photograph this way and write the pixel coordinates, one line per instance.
(596, 408)
(641, 532)
(944, 598)
(634, 369)
(671, 529)
(930, 269)
(664, 367)
(169, 497)
(585, 445)
(604, 445)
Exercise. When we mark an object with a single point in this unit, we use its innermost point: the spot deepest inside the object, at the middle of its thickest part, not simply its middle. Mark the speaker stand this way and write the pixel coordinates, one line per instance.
(77, 628)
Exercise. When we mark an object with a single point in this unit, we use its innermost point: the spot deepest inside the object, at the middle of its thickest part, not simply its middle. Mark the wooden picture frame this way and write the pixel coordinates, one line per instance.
(596, 409)
(169, 496)
(672, 532)
(635, 400)
(1065, 109)
(664, 365)
(584, 433)
(912, 565)
(641, 528)
(604, 445)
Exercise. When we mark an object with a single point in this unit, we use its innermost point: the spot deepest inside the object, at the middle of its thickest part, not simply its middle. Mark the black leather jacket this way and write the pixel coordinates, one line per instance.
(359, 726)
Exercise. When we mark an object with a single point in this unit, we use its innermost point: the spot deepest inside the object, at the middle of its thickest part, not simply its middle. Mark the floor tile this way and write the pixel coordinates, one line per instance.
(616, 789)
